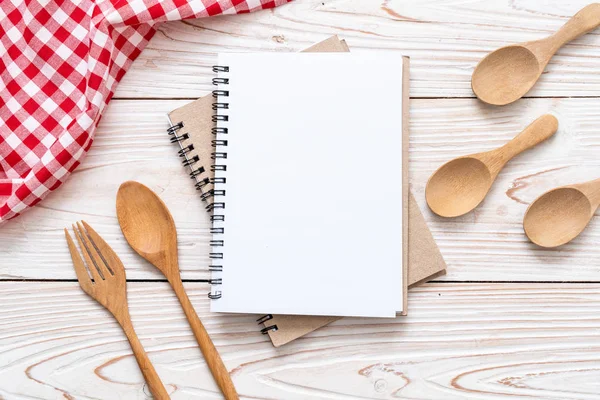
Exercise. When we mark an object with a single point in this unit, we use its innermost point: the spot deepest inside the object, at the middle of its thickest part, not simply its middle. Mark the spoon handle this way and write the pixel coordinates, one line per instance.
(210, 353)
(538, 131)
(587, 19)
(592, 190)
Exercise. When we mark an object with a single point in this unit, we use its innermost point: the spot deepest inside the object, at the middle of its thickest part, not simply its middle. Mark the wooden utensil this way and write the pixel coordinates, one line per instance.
(560, 215)
(109, 288)
(507, 74)
(458, 186)
(150, 230)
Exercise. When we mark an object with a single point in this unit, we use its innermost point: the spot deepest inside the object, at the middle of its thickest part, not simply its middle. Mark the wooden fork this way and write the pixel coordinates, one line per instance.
(108, 287)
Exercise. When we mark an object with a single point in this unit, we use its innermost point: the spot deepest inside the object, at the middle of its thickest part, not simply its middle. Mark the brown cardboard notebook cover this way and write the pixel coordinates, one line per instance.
(423, 257)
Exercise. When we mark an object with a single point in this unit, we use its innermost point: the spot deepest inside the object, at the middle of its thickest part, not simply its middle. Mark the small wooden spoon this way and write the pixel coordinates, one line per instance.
(507, 74)
(458, 186)
(149, 229)
(560, 215)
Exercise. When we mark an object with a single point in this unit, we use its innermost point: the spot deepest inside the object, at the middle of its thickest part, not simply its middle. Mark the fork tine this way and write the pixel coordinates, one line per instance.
(82, 275)
(95, 252)
(106, 252)
(86, 254)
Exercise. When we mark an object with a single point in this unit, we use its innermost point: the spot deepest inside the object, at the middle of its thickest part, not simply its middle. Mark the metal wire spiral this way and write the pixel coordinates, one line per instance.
(263, 320)
(216, 197)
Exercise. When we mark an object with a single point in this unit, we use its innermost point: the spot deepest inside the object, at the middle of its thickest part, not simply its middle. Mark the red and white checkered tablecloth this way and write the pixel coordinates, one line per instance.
(60, 62)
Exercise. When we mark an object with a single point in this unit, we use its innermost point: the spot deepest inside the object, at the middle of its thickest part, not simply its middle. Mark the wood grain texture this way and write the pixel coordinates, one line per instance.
(445, 40)
(486, 245)
(517, 340)
(460, 340)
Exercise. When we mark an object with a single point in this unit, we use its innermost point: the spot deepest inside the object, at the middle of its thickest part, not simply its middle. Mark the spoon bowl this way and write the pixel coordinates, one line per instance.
(560, 215)
(145, 210)
(498, 82)
(557, 217)
(445, 192)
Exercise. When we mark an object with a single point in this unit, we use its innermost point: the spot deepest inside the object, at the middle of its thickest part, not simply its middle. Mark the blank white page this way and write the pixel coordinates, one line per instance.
(313, 191)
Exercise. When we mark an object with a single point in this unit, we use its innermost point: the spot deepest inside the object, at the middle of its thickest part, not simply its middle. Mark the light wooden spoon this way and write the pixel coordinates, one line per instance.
(560, 215)
(458, 186)
(507, 74)
(149, 229)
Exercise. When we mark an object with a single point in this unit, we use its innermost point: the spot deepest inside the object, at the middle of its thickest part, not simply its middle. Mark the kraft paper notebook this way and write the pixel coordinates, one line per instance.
(195, 144)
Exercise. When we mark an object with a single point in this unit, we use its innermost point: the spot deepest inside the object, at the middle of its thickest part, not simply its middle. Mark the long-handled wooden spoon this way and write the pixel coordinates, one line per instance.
(560, 215)
(505, 75)
(460, 185)
(150, 230)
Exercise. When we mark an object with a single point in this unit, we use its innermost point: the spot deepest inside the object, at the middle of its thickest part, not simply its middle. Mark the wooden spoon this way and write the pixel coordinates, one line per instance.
(560, 215)
(149, 229)
(507, 74)
(458, 186)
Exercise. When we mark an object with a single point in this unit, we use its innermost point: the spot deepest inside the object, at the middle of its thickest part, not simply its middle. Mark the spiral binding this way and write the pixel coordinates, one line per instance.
(216, 196)
(196, 172)
(263, 320)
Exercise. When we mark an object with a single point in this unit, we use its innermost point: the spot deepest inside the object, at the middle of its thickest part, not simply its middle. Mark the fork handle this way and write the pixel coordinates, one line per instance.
(210, 353)
(152, 379)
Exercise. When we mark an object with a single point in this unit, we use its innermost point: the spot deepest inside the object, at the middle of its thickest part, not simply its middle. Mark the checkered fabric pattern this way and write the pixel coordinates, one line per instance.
(60, 62)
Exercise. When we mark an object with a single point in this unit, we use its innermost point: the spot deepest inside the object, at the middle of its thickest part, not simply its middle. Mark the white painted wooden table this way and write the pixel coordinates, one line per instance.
(509, 319)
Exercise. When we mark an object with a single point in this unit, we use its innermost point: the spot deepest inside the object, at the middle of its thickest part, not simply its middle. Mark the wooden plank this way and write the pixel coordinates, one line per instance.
(520, 340)
(486, 245)
(445, 40)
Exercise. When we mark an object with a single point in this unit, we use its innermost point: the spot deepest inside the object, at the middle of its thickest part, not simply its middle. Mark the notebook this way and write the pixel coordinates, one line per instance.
(425, 261)
(289, 201)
